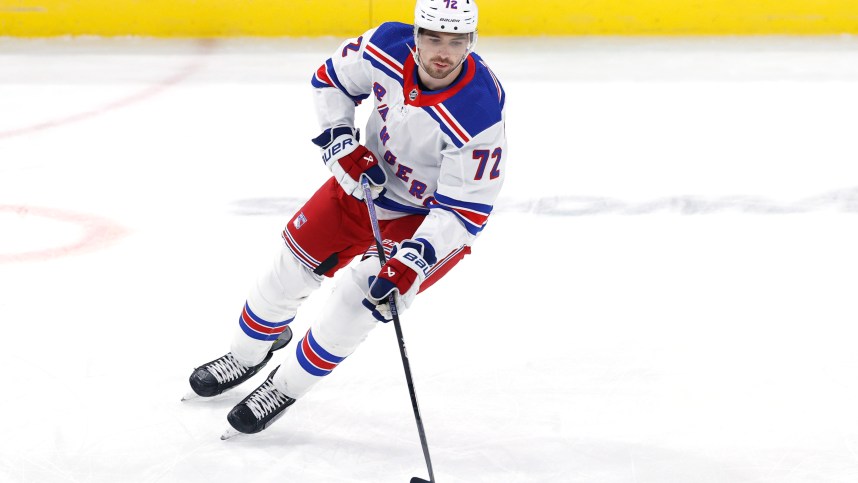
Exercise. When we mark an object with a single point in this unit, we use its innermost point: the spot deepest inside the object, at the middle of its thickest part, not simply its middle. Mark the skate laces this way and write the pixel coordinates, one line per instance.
(265, 399)
(227, 368)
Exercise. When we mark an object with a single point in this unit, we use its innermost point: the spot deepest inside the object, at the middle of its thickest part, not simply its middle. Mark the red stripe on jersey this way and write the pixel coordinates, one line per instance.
(322, 75)
(452, 124)
(495, 79)
(478, 219)
(381, 57)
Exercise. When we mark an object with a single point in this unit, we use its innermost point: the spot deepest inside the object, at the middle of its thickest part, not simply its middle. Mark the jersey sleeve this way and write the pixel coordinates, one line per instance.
(470, 181)
(342, 82)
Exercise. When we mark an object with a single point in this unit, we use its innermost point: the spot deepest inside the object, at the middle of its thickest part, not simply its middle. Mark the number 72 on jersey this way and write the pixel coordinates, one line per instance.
(483, 156)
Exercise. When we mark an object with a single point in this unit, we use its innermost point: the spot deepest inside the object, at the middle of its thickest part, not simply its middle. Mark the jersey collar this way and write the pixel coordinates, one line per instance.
(414, 96)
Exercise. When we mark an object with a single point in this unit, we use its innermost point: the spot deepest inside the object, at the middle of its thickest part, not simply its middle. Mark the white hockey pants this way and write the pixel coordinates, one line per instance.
(343, 324)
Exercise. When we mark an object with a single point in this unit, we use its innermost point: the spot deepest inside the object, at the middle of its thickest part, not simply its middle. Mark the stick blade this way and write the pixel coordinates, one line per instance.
(419, 480)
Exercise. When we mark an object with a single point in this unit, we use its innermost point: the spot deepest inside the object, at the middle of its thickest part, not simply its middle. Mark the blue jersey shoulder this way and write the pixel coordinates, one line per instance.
(479, 105)
(394, 39)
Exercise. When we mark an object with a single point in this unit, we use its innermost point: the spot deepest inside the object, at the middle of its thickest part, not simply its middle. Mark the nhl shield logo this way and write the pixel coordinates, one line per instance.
(413, 95)
(299, 221)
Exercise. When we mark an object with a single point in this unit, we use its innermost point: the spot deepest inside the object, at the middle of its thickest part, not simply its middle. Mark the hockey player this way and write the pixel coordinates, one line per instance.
(434, 152)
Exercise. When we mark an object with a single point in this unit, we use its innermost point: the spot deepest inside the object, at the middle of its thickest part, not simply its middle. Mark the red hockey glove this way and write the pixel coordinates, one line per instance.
(348, 160)
(407, 268)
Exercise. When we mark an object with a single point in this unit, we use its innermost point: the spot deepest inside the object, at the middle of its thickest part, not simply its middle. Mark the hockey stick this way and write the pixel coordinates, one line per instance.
(376, 231)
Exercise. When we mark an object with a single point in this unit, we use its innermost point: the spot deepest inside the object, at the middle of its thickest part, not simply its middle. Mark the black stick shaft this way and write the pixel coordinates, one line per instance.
(367, 194)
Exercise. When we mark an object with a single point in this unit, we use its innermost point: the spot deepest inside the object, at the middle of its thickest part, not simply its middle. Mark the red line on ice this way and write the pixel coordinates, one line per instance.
(146, 93)
(98, 233)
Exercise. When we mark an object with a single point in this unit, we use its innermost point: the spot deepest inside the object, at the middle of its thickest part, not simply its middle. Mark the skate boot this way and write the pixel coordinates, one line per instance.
(225, 372)
(260, 408)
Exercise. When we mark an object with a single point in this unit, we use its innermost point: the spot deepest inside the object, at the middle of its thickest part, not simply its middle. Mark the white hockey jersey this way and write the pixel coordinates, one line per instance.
(443, 151)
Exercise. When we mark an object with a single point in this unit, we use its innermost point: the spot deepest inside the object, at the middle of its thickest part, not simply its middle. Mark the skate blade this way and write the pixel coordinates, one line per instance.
(192, 396)
(230, 433)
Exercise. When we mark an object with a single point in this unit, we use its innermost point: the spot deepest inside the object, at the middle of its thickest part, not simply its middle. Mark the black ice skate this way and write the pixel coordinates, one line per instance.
(258, 410)
(225, 372)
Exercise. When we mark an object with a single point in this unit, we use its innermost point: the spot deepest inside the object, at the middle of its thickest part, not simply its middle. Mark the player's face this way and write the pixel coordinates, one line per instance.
(441, 53)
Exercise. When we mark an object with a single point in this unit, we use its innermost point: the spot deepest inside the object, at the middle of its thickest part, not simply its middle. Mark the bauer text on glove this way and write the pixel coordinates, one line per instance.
(407, 268)
(348, 160)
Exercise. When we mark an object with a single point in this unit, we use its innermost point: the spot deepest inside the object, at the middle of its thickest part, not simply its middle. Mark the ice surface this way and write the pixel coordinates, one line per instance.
(665, 294)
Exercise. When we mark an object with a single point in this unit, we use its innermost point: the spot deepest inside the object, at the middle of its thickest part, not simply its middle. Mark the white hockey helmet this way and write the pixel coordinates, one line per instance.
(453, 16)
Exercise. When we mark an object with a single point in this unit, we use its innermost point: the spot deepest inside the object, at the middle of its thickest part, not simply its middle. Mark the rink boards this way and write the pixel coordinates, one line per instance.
(299, 18)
